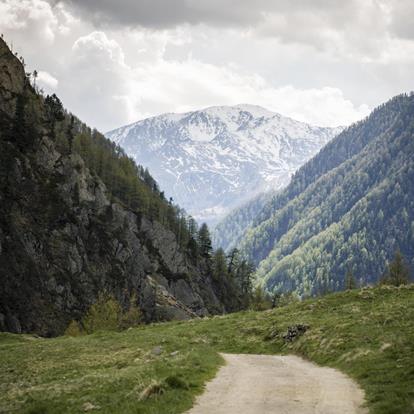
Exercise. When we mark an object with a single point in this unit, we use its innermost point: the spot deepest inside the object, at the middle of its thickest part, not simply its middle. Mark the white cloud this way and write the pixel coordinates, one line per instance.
(47, 80)
(96, 45)
(32, 18)
(124, 93)
(323, 61)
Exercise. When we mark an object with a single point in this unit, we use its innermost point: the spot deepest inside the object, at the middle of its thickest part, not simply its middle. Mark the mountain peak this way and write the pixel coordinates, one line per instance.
(212, 160)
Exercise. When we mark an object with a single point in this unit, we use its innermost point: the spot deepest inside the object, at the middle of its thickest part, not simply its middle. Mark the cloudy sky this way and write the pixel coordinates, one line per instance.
(327, 62)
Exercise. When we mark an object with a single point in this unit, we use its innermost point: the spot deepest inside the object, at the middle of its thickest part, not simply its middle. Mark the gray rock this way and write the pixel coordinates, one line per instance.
(157, 350)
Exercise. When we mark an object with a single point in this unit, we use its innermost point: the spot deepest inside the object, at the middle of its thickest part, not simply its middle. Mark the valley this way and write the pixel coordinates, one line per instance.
(211, 257)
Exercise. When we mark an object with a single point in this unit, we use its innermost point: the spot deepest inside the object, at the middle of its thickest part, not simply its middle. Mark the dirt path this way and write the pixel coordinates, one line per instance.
(264, 384)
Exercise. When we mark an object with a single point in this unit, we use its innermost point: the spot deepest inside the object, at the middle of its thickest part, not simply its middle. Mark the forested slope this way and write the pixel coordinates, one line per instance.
(348, 209)
(228, 232)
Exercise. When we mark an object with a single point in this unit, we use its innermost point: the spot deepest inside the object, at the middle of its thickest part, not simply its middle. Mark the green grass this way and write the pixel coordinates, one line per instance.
(368, 334)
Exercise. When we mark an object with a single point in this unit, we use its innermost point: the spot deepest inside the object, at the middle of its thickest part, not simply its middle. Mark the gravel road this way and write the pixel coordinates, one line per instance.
(264, 384)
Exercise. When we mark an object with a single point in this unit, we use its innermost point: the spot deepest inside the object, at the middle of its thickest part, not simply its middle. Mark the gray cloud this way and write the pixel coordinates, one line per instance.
(344, 26)
(166, 13)
(169, 13)
(402, 19)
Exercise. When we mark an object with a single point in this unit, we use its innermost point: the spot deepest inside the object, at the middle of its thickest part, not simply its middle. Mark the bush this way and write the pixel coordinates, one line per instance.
(133, 316)
(397, 272)
(74, 329)
(260, 300)
(106, 315)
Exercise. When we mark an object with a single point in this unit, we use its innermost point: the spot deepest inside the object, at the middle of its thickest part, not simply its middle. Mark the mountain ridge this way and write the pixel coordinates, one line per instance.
(213, 160)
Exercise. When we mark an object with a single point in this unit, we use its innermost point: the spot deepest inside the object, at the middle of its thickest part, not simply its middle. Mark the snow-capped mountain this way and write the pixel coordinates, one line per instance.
(211, 161)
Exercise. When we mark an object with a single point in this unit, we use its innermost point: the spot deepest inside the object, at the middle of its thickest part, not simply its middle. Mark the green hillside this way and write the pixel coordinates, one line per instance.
(228, 232)
(347, 210)
(368, 334)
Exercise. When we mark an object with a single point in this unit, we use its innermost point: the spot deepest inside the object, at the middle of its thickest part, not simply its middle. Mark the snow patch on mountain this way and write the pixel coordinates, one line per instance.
(213, 160)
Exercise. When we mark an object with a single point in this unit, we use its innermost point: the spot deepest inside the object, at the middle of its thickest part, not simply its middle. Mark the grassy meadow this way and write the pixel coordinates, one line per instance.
(160, 368)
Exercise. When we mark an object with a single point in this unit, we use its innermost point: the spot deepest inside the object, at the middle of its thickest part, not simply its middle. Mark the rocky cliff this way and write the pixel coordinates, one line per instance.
(64, 240)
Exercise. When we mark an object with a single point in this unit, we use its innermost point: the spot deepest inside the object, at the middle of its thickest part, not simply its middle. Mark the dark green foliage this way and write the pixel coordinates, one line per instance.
(397, 273)
(54, 112)
(22, 130)
(204, 241)
(234, 278)
(351, 206)
(54, 109)
(350, 282)
(176, 382)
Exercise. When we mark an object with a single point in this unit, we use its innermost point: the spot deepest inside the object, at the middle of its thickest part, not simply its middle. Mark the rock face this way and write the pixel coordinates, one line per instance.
(216, 159)
(63, 241)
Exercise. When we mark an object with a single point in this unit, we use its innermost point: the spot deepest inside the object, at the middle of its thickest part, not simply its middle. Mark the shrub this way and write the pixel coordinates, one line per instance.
(133, 316)
(74, 329)
(106, 315)
(260, 300)
(397, 272)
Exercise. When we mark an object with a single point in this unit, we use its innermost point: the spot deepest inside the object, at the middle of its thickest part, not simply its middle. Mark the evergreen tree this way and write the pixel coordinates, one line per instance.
(70, 133)
(219, 265)
(19, 130)
(204, 241)
(233, 260)
(350, 282)
(54, 110)
(244, 279)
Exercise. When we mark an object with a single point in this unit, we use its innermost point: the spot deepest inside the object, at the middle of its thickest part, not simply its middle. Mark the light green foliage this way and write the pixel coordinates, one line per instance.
(368, 334)
(106, 314)
(74, 329)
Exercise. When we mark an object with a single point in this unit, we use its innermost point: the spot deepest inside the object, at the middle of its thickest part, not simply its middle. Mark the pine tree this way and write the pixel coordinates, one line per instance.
(233, 260)
(219, 265)
(70, 133)
(350, 282)
(244, 278)
(54, 109)
(204, 241)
